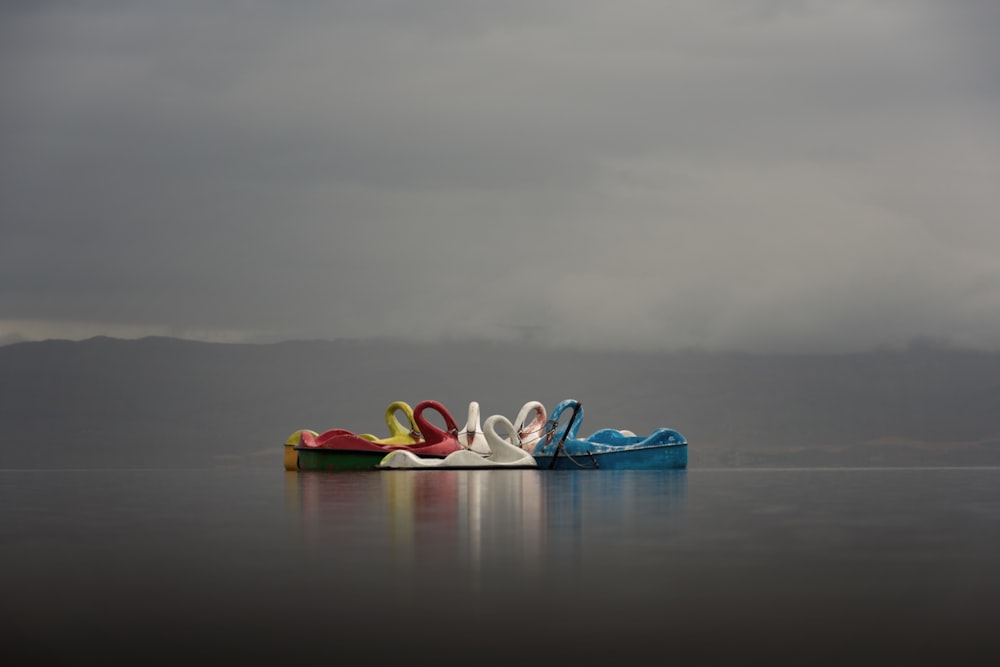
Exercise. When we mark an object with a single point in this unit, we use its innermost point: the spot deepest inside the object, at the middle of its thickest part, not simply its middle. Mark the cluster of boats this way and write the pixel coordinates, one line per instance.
(534, 439)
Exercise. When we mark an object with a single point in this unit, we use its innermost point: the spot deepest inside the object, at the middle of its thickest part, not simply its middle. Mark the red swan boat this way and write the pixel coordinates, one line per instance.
(341, 449)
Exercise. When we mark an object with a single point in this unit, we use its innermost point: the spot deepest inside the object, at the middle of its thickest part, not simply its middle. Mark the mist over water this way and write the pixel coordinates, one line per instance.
(803, 565)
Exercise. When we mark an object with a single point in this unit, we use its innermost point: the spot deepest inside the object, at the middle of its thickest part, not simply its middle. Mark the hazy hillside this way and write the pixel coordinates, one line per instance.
(167, 402)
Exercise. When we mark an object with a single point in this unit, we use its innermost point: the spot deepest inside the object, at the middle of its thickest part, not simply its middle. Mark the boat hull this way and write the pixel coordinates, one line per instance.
(336, 460)
(518, 466)
(667, 457)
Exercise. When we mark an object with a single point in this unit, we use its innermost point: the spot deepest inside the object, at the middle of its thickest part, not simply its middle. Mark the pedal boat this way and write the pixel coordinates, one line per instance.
(562, 448)
(529, 432)
(341, 450)
(399, 434)
(505, 452)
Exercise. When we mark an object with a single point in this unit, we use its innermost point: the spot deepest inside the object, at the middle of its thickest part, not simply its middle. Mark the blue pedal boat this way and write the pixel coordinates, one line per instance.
(607, 449)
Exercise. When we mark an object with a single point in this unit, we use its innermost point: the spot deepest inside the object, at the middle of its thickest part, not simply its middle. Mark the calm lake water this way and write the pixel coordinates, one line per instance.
(796, 566)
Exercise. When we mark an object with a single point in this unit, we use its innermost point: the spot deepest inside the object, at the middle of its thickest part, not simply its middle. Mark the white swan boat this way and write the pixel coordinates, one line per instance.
(472, 437)
(529, 432)
(504, 452)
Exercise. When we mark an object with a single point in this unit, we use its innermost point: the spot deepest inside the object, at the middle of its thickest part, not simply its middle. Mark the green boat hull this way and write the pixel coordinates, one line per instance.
(335, 460)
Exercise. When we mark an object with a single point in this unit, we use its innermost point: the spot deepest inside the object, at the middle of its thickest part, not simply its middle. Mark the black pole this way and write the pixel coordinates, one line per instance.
(562, 440)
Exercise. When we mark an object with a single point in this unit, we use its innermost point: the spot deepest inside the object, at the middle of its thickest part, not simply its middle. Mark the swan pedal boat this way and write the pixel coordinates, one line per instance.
(340, 449)
(503, 452)
(561, 448)
(399, 434)
(528, 432)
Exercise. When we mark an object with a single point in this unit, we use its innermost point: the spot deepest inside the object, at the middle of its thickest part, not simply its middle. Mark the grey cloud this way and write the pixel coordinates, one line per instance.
(767, 175)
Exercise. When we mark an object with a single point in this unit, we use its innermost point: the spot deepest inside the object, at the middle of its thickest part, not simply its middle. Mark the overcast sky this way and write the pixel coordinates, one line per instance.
(763, 175)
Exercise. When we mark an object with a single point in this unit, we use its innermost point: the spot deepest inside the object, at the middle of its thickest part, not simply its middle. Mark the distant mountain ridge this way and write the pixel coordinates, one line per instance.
(155, 402)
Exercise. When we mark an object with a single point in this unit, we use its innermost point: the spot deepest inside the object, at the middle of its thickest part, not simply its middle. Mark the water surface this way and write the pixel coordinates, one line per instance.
(791, 566)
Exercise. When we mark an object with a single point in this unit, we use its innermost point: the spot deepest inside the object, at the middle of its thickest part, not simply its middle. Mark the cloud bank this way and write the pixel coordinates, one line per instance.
(765, 176)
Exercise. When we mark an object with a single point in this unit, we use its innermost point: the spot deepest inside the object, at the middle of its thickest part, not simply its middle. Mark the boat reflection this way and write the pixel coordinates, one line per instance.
(481, 527)
(469, 520)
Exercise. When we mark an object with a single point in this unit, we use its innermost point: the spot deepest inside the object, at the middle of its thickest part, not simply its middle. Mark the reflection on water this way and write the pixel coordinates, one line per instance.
(464, 518)
(483, 525)
(798, 566)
